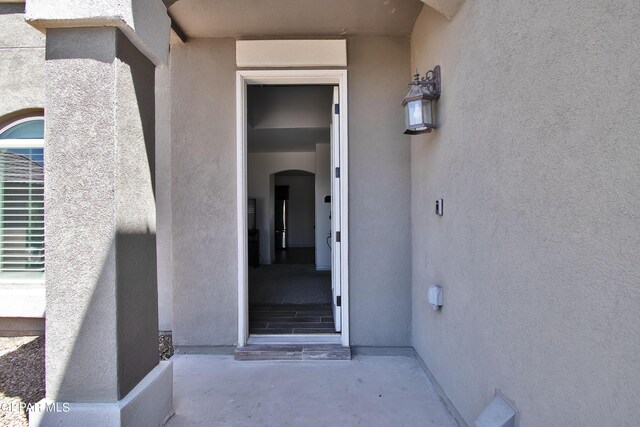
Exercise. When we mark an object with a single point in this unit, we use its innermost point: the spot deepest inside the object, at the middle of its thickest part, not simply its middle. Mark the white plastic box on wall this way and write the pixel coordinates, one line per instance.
(435, 296)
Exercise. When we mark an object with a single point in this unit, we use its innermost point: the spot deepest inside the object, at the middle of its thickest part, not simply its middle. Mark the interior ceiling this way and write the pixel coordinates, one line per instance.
(288, 18)
(285, 140)
(288, 118)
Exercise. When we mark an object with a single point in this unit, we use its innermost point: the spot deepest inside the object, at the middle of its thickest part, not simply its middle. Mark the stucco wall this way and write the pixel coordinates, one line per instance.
(163, 197)
(135, 215)
(100, 222)
(379, 192)
(21, 62)
(22, 92)
(204, 193)
(203, 197)
(538, 162)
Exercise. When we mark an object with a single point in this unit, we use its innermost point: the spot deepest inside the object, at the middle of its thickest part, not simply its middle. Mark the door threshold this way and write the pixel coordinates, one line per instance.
(295, 339)
(292, 352)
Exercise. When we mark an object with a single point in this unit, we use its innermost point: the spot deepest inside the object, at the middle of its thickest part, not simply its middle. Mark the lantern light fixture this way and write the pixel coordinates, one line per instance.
(419, 102)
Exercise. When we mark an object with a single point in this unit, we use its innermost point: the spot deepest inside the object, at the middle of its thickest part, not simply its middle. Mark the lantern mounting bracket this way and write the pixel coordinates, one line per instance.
(430, 82)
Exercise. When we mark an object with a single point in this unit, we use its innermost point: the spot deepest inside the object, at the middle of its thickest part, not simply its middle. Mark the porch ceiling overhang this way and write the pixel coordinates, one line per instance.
(448, 8)
(294, 18)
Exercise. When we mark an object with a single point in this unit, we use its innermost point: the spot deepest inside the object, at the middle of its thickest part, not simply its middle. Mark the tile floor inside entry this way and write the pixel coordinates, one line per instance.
(291, 319)
(295, 256)
(365, 391)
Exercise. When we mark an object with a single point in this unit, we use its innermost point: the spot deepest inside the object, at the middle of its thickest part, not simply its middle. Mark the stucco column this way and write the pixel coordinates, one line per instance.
(100, 231)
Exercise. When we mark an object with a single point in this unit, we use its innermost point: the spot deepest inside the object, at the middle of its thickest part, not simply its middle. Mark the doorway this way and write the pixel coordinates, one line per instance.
(290, 293)
(333, 267)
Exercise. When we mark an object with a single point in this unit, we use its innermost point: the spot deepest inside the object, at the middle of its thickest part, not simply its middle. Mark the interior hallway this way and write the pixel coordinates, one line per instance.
(289, 284)
(367, 391)
(290, 296)
(295, 256)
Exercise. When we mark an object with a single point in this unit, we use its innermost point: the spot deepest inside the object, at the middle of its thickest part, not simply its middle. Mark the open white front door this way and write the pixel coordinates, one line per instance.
(335, 210)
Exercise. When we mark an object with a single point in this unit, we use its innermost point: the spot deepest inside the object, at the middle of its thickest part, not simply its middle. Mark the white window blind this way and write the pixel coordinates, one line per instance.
(22, 252)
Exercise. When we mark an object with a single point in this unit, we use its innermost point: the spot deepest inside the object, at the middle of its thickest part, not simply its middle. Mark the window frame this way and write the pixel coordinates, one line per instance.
(27, 143)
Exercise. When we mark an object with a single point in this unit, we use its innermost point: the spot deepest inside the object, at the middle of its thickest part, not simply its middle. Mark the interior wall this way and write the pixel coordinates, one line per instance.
(538, 162)
(322, 210)
(203, 196)
(260, 167)
(301, 209)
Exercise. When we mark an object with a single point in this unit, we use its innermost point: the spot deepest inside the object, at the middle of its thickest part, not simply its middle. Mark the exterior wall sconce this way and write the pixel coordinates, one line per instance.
(419, 102)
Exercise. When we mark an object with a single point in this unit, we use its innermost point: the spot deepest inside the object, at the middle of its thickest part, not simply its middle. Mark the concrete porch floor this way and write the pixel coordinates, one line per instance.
(367, 391)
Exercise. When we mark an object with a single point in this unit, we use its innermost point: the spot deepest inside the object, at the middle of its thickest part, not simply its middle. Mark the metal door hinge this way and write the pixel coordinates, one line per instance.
(337, 172)
(336, 108)
(337, 236)
(339, 301)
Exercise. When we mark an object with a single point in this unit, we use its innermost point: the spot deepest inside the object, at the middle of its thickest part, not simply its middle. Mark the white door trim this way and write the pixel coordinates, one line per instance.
(243, 78)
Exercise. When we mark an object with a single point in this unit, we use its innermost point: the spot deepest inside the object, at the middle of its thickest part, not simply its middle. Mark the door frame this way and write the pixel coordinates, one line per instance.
(291, 77)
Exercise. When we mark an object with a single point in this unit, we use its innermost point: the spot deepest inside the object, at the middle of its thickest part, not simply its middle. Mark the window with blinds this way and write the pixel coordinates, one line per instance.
(22, 199)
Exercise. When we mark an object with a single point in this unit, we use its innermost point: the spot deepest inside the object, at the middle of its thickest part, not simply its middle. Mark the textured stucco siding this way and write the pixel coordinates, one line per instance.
(81, 274)
(163, 197)
(100, 222)
(145, 23)
(205, 296)
(135, 214)
(21, 63)
(538, 162)
(203, 199)
(379, 192)
(22, 92)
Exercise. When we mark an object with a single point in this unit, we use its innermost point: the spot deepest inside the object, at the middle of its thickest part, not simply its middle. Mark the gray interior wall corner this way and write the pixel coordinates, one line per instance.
(379, 192)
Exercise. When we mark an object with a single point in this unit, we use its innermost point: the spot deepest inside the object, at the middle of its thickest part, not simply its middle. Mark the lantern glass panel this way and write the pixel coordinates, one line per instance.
(427, 112)
(414, 113)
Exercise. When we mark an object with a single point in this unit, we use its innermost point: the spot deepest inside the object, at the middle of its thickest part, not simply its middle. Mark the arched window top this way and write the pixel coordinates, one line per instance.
(29, 128)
